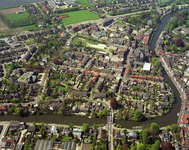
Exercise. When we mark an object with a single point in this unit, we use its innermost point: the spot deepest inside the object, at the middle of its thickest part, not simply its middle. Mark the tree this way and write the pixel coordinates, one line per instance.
(131, 37)
(71, 125)
(138, 115)
(85, 127)
(18, 111)
(179, 43)
(154, 128)
(166, 42)
(114, 103)
(156, 145)
(112, 51)
(167, 128)
(124, 139)
(141, 146)
(166, 145)
(105, 111)
(125, 147)
(145, 138)
(42, 96)
(175, 128)
(34, 124)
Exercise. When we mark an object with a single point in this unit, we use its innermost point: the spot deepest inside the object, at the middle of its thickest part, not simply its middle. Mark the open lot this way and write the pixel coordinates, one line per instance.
(14, 16)
(3, 27)
(84, 3)
(11, 10)
(78, 16)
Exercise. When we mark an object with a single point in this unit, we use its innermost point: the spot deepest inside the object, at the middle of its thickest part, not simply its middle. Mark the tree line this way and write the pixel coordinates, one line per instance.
(19, 22)
(67, 10)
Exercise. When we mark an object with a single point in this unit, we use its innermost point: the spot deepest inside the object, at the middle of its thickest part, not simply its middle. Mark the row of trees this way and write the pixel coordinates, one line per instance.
(67, 10)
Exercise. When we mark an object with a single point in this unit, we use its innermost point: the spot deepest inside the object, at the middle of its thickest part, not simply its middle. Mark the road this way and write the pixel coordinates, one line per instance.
(5, 125)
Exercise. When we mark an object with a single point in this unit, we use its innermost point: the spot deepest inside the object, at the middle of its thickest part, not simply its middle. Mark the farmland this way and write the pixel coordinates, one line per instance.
(14, 16)
(78, 16)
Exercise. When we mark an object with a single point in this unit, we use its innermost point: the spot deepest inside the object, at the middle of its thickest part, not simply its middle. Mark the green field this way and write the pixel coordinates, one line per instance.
(30, 27)
(84, 3)
(78, 16)
(14, 16)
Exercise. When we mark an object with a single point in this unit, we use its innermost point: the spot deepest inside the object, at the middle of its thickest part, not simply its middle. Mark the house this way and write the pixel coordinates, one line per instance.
(132, 136)
(48, 92)
(3, 108)
(44, 144)
(54, 129)
(100, 95)
(77, 132)
(66, 130)
(88, 85)
(63, 34)
(55, 106)
(14, 124)
(106, 22)
(41, 24)
(165, 136)
(19, 147)
(119, 135)
(55, 67)
(26, 57)
(150, 22)
(18, 72)
(94, 27)
(6, 146)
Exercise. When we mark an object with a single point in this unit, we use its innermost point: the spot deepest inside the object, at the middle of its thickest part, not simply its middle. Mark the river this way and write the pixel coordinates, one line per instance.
(165, 120)
(12, 3)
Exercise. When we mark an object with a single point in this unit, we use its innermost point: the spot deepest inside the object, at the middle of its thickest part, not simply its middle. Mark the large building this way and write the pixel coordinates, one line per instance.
(44, 145)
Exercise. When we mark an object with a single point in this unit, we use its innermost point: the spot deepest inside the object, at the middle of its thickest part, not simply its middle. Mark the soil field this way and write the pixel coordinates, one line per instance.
(11, 10)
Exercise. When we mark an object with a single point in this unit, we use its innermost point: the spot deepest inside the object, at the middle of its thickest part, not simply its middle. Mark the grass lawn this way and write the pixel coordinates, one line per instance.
(84, 3)
(188, 22)
(22, 78)
(149, 147)
(14, 16)
(61, 88)
(54, 137)
(65, 139)
(30, 27)
(36, 63)
(118, 19)
(78, 16)
(121, 23)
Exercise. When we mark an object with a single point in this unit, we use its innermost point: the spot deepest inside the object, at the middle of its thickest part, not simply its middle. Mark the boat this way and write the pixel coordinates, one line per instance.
(180, 96)
(89, 117)
(177, 114)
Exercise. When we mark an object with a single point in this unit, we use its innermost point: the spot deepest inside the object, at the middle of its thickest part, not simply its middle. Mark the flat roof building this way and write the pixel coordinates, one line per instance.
(146, 66)
(44, 145)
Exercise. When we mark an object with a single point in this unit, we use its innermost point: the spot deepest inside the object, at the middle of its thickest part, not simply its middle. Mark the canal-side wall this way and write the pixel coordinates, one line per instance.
(177, 85)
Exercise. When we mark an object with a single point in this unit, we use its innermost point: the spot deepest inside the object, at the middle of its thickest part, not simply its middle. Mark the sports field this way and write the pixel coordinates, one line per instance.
(14, 16)
(78, 16)
(84, 3)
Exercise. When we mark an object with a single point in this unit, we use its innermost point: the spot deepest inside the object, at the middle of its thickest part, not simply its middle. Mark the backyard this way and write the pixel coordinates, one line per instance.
(14, 16)
(78, 16)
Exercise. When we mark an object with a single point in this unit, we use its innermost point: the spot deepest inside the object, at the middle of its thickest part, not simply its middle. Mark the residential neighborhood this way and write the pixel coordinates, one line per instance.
(94, 75)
